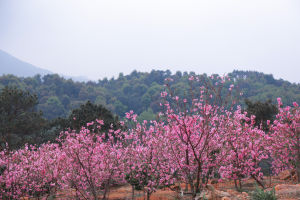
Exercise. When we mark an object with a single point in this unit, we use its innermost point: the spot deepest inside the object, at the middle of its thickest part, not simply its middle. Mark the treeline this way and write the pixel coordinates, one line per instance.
(138, 91)
(203, 136)
(21, 122)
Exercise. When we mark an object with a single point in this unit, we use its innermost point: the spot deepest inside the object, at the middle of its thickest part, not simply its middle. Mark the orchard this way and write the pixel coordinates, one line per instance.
(205, 135)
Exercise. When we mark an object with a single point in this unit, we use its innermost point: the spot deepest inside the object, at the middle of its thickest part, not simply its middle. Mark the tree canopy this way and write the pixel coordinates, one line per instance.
(139, 91)
(263, 111)
(87, 113)
(19, 118)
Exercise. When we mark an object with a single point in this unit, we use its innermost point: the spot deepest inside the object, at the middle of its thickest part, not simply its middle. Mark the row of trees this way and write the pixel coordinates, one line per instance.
(138, 91)
(194, 139)
(21, 122)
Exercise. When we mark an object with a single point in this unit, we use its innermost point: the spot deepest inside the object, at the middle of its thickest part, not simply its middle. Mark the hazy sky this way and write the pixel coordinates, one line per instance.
(101, 38)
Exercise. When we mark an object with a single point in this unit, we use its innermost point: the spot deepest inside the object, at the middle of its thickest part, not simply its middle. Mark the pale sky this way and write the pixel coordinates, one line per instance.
(101, 38)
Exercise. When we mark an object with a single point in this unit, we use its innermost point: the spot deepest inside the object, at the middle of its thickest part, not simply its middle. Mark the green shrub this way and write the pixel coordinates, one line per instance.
(260, 194)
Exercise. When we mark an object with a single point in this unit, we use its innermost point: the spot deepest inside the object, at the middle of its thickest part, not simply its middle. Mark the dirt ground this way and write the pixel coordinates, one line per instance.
(125, 192)
(249, 185)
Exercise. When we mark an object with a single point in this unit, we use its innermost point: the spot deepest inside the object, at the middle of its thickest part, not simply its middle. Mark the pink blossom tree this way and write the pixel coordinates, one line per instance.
(194, 138)
(285, 140)
(30, 171)
(93, 163)
(244, 145)
(87, 162)
(147, 164)
(194, 129)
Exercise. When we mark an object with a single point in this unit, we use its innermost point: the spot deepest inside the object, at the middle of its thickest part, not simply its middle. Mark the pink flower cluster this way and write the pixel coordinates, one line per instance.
(285, 141)
(86, 162)
(244, 147)
(189, 143)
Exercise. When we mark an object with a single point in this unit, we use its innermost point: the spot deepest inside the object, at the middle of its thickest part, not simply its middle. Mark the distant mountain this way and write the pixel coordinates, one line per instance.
(12, 65)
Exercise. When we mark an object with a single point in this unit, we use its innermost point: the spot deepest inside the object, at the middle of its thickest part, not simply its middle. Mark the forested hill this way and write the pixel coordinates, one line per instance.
(138, 91)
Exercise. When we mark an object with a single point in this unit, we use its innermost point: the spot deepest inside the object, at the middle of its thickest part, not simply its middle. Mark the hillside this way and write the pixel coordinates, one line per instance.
(139, 91)
(12, 65)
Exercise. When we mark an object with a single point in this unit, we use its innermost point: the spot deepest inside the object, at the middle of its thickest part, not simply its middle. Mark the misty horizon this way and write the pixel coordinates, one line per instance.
(98, 39)
(44, 71)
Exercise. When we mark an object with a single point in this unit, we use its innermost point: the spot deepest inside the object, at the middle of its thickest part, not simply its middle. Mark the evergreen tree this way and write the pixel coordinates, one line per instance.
(263, 111)
(19, 119)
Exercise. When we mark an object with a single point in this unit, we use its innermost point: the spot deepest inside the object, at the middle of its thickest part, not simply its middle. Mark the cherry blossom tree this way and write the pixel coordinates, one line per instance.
(93, 163)
(148, 166)
(30, 171)
(86, 162)
(193, 138)
(245, 148)
(194, 129)
(285, 140)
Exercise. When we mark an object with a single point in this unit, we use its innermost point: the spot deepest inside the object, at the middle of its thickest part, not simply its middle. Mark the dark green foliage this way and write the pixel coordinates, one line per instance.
(53, 107)
(139, 91)
(260, 194)
(2, 169)
(19, 119)
(135, 182)
(147, 115)
(62, 99)
(263, 111)
(258, 86)
(86, 113)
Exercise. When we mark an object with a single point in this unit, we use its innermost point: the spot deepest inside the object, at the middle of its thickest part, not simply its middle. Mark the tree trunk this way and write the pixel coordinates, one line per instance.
(298, 156)
(148, 195)
(270, 177)
(240, 182)
(104, 194)
(191, 185)
(106, 189)
(298, 174)
(258, 181)
(197, 186)
(186, 187)
(235, 184)
(132, 192)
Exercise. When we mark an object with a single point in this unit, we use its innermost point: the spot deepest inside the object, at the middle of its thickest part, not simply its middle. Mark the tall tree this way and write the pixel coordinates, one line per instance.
(19, 118)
